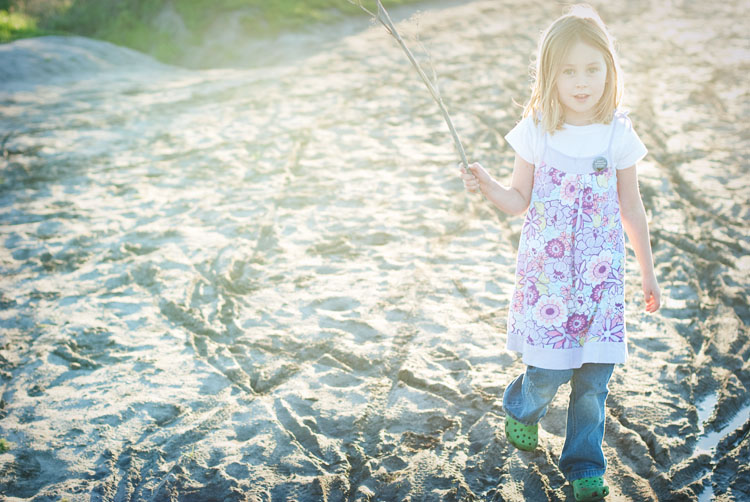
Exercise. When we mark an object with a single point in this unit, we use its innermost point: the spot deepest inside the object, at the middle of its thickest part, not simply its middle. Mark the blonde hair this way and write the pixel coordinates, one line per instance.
(580, 24)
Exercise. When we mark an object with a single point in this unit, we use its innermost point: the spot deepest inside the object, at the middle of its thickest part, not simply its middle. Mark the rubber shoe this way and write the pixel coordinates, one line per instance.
(588, 489)
(522, 436)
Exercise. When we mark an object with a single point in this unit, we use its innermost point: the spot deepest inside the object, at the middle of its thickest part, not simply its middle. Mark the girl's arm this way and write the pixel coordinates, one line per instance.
(634, 222)
(512, 200)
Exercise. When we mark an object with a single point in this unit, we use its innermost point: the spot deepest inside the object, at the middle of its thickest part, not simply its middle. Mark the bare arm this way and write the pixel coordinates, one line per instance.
(634, 223)
(512, 200)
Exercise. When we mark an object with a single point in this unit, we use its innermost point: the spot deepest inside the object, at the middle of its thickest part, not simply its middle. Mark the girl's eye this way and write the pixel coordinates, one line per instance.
(568, 72)
(593, 70)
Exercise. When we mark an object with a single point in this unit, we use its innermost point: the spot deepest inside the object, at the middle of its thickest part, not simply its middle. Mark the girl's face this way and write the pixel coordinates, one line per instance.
(580, 83)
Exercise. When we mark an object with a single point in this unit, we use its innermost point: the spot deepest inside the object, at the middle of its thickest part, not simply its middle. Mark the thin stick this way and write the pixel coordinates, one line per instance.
(384, 19)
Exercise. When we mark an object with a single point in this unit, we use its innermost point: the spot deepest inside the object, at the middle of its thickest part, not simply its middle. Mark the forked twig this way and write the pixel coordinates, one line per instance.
(384, 19)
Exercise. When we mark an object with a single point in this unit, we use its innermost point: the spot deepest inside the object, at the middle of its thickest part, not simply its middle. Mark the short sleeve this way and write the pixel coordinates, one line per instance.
(523, 138)
(630, 149)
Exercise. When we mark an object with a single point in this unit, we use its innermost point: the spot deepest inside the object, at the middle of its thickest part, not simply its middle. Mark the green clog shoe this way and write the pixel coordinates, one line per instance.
(522, 436)
(588, 489)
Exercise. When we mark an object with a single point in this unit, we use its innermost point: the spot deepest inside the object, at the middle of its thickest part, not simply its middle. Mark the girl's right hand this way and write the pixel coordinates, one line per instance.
(476, 179)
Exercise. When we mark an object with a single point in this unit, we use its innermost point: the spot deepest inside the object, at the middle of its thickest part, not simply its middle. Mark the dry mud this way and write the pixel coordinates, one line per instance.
(270, 284)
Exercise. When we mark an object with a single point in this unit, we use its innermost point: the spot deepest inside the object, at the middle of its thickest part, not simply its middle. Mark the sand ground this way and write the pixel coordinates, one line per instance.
(269, 283)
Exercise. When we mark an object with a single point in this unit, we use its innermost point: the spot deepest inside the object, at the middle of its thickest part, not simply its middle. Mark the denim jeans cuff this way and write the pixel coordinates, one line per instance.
(524, 422)
(590, 473)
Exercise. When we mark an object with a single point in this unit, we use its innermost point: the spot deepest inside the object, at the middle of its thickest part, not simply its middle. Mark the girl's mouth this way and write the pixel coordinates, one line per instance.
(581, 97)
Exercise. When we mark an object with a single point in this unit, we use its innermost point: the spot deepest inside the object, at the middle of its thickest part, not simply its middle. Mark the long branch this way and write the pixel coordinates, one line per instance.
(384, 19)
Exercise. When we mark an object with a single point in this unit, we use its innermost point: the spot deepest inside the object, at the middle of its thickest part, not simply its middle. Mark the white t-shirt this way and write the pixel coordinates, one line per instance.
(527, 140)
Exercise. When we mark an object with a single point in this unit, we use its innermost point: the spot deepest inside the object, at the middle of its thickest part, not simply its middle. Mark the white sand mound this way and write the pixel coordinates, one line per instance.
(56, 58)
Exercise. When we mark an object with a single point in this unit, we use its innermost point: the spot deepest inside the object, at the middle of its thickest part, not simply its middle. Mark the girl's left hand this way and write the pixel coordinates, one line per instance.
(651, 293)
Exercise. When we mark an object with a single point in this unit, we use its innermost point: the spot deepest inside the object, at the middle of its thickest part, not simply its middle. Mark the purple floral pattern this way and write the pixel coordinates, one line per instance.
(569, 287)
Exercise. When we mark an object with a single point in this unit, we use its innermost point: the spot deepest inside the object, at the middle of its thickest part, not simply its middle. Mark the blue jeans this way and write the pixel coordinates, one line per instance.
(527, 397)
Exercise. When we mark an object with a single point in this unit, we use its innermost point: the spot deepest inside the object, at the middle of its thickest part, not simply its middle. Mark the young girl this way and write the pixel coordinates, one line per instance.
(575, 173)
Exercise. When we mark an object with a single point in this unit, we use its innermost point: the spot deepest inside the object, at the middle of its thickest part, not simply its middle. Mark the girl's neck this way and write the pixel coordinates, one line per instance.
(578, 121)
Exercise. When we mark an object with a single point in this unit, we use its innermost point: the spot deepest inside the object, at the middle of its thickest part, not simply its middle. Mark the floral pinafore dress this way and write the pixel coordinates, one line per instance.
(568, 301)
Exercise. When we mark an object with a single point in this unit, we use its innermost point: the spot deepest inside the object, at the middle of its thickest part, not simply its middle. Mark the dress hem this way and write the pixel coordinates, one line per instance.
(557, 359)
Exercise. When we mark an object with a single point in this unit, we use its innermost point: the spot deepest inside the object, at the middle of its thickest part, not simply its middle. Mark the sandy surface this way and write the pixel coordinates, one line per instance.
(270, 284)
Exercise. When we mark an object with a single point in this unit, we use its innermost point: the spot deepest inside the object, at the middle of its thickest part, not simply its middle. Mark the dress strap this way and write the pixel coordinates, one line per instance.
(615, 120)
(538, 123)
